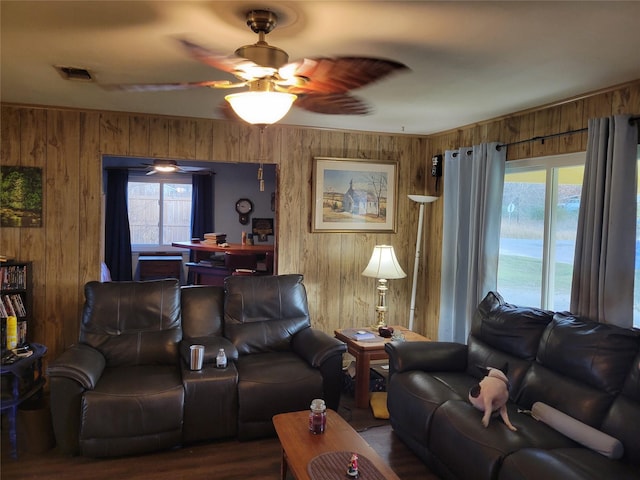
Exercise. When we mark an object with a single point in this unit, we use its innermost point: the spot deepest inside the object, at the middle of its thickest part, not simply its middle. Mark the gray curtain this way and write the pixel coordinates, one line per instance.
(473, 185)
(603, 271)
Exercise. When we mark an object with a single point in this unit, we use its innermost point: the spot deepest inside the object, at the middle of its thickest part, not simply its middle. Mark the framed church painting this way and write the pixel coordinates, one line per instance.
(353, 195)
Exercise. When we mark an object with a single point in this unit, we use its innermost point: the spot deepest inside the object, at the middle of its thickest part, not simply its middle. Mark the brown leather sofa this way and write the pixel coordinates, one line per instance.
(588, 371)
(126, 387)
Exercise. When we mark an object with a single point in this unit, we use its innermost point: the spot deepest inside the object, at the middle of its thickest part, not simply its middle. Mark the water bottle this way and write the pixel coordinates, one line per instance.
(317, 416)
(221, 359)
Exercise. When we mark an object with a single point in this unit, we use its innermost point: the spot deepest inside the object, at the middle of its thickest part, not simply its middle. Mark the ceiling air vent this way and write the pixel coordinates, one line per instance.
(74, 73)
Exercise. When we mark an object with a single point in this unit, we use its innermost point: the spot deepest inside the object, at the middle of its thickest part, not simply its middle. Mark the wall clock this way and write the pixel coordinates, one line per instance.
(244, 207)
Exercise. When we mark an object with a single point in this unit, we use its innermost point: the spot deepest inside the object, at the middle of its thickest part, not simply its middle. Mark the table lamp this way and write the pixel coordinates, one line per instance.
(383, 265)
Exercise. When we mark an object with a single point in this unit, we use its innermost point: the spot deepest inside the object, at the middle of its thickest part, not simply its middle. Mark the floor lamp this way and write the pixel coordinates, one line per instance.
(421, 199)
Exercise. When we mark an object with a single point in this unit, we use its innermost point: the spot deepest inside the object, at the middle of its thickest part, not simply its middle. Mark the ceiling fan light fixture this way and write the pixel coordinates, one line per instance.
(165, 167)
(261, 108)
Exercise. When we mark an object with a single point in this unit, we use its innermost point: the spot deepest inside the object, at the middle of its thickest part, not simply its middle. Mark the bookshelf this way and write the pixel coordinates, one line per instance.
(15, 298)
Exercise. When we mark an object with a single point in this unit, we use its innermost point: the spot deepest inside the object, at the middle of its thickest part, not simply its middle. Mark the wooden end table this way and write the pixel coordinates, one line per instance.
(300, 446)
(366, 350)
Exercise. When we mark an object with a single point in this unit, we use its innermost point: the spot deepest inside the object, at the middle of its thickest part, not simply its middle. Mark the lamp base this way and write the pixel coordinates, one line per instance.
(381, 307)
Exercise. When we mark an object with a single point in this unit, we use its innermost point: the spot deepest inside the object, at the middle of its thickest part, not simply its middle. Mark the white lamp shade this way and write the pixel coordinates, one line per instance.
(262, 108)
(422, 198)
(384, 264)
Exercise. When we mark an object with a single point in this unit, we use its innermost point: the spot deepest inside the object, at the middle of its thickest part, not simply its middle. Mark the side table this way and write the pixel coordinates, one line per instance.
(24, 368)
(366, 350)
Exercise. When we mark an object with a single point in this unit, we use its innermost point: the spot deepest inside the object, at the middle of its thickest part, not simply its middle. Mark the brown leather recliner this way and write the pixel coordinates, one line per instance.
(283, 364)
(119, 390)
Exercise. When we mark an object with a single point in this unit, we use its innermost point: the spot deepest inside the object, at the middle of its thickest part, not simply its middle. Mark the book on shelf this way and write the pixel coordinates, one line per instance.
(13, 277)
(18, 305)
(8, 306)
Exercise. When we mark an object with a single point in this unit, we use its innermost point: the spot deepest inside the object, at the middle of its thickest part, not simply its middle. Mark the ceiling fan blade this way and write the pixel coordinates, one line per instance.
(333, 104)
(238, 66)
(159, 87)
(151, 172)
(338, 75)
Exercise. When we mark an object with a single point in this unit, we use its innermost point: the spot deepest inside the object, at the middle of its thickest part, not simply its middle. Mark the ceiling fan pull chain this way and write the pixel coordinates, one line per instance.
(261, 158)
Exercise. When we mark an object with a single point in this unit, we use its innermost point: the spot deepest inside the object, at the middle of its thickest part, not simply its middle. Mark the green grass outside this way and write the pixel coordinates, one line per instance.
(526, 272)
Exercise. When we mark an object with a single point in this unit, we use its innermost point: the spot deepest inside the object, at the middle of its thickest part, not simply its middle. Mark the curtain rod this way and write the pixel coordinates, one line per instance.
(542, 138)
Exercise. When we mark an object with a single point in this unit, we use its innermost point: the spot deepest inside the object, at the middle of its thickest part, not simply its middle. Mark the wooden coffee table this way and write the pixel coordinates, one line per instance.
(300, 446)
(366, 350)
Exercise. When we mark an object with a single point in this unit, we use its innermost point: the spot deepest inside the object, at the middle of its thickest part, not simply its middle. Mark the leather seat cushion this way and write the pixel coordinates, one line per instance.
(457, 424)
(133, 402)
(414, 396)
(563, 464)
(276, 382)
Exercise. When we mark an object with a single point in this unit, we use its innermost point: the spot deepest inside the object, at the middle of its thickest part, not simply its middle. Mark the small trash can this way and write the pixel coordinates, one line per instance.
(35, 430)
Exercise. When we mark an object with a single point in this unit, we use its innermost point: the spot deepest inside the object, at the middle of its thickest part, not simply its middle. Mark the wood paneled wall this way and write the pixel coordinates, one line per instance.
(68, 145)
(66, 252)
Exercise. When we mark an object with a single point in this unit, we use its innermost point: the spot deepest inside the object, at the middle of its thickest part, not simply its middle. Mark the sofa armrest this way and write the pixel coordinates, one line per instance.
(81, 363)
(316, 346)
(77, 370)
(426, 356)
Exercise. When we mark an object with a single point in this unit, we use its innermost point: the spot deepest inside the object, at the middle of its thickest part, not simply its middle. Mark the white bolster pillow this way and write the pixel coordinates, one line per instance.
(577, 431)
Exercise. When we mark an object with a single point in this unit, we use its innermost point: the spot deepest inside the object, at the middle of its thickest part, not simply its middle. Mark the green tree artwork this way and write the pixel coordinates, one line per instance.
(20, 196)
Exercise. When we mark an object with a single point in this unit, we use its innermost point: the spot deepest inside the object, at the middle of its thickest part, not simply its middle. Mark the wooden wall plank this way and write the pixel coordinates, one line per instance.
(139, 132)
(182, 138)
(33, 143)
(61, 220)
(571, 115)
(90, 201)
(203, 140)
(159, 137)
(544, 122)
(114, 133)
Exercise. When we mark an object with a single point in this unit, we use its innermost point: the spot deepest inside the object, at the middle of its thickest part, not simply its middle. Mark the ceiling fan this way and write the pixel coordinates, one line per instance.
(170, 166)
(319, 85)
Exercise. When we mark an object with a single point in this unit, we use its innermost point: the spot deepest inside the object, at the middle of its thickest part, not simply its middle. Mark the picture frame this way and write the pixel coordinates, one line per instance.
(20, 196)
(354, 195)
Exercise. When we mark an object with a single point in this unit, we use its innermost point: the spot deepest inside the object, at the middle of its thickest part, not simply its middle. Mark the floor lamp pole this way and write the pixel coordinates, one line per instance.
(421, 199)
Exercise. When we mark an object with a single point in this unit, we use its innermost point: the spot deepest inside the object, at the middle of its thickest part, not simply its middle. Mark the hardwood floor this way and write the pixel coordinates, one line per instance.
(228, 460)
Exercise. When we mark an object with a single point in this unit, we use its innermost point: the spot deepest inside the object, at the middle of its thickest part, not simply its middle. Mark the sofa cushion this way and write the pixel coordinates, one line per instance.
(509, 328)
(272, 383)
(263, 313)
(584, 434)
(414, 396)
(132, 410)
(563, 464)
(482, 356)
(202, 310)
(133, 323)
(582, 402)
(457, 433)
(596, 354)
(581, 366)
(623, 418)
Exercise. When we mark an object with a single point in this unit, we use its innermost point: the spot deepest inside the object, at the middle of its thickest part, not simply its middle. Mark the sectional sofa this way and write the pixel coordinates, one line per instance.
(574, 398)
